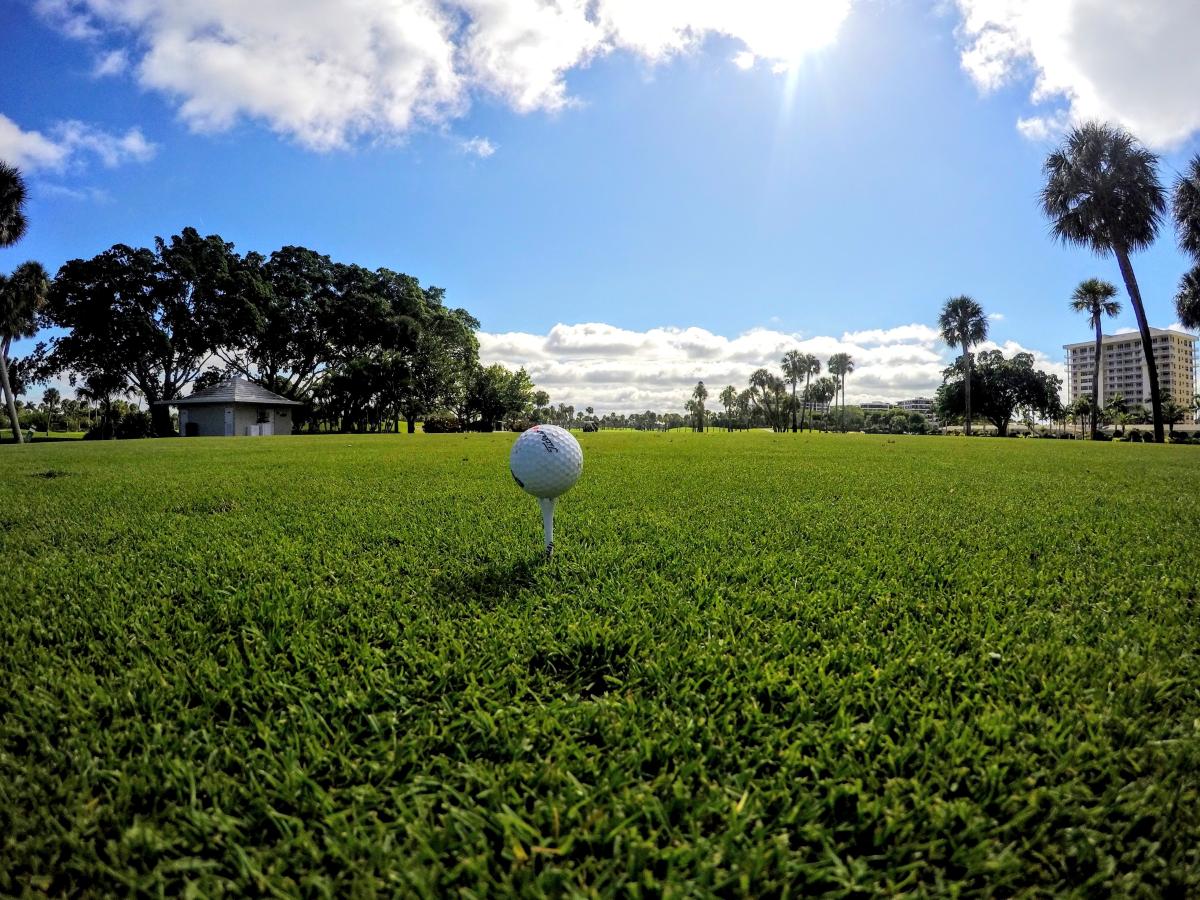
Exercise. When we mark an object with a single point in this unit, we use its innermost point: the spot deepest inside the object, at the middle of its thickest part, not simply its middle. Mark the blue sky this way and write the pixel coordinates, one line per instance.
(697, 208)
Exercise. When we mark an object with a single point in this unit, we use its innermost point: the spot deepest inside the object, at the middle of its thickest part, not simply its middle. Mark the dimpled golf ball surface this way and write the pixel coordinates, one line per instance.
(546, 460)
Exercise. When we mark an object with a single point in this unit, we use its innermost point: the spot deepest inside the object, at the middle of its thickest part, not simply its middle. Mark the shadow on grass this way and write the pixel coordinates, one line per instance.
(492, 583)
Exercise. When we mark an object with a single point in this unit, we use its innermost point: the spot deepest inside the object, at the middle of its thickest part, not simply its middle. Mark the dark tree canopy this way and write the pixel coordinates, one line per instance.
(362, 348)
(1186, 209)
(151, 317)
(999, 387)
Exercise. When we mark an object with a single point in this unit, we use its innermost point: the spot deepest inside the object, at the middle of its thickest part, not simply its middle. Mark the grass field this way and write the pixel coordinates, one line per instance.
(759, 664)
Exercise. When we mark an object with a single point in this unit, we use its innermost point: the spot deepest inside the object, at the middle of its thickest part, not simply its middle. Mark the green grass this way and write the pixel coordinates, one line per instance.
(759, 664)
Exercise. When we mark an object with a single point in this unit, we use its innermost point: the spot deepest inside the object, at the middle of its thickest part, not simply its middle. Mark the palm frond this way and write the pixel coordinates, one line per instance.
(1187, 209)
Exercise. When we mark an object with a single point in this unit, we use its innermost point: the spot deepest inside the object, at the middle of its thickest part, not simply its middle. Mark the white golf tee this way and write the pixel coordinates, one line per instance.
(547, 504)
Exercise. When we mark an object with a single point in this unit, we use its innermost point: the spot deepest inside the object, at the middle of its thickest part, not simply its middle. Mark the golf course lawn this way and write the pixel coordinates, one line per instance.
(757, 664)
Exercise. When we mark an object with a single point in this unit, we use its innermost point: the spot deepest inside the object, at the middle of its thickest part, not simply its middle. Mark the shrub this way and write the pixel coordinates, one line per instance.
(590, 427)
(519, 425)
(441, 423)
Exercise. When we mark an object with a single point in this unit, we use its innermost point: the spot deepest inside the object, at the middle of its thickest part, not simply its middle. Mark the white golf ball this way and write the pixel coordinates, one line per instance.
(546, 461)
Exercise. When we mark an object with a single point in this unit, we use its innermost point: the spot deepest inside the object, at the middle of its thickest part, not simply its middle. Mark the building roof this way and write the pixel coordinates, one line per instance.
(232, 390)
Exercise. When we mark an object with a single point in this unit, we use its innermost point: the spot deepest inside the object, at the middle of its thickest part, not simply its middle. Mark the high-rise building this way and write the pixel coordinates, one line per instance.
(1123, 368)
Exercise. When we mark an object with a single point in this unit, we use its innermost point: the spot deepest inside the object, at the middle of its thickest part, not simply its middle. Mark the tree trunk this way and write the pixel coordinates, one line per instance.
(967, 388)
(160, 416)
(412, 423)
(1097, 368)
(1135, 297)
(804, 406)
(793, 406)
(8, 392)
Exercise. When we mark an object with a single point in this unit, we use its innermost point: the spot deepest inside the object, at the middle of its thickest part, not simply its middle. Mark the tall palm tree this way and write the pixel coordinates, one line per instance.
(12, 205)
(699, 395)
(50, 400)
(21, 295)
(1186, 209)
(793, 370)
(1095, 297)
(834, 367)
(1102, 192)
(963, 324)
(1187, 301)
(812, 366)
(840, 365)
(728, 400)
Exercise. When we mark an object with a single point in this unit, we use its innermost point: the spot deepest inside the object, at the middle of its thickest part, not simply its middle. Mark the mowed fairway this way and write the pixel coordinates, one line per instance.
(758, 664)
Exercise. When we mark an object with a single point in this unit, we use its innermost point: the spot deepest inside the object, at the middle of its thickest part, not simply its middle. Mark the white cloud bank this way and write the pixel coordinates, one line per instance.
(69, 143)
(325, 72)
(1128, 61)
(615, 369)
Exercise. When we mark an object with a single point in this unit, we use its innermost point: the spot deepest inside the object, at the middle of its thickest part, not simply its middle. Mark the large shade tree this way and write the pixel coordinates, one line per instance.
(151, 317)
(1001, 387)
(22, 294)
(1095, 297)
(963, 324)
(1102, 192)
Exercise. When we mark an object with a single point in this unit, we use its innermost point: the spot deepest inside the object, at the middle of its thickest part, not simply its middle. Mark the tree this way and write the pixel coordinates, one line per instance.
(12, 205)
(1173, 413)
(794, 368)
(151, 317)
(1095, 297)
(1186, 209)
(963, 324)
(50, 400)
(839, 366)
(699, 395)
(1187, 301)
(22, 295)
(728, 400)
(1102, 192)
(768, 393)
(812, 366)
(99, 388)
(1001, 386)
(495, 395)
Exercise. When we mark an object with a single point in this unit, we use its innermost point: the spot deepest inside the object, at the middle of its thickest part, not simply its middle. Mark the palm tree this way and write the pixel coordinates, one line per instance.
(834, 367)
(21, 295)
(1102, 192)
(1187, 301)
(1186, 209)
(50, 400)
(728, 400)
(12, 205)
(1095, 297)
(812, 366)
(699, 395)
(99, 388)
(794, 368)
(840, 365)
(963, 324)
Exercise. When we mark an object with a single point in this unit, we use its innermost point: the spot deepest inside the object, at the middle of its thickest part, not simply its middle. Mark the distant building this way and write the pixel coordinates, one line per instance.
(1124, 367)
(234, 408)
(922, 405)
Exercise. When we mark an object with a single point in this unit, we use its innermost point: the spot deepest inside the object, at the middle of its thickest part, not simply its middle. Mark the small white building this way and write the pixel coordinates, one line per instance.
(234, 408)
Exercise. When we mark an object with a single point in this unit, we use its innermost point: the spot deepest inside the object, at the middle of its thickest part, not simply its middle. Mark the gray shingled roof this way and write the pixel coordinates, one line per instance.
(234, 390)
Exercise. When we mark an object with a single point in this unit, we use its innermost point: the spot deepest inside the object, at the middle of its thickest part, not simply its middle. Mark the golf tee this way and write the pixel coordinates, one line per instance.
(547, 504)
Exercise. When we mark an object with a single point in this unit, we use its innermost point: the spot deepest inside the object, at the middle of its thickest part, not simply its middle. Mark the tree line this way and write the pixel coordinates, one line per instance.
(362, 349)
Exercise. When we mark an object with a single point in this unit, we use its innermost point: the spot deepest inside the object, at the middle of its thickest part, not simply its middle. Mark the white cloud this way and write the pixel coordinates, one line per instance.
(112, 63)
(69, 143)
(324, 73)
(1132, 63)
(744, 60)
(478, 146)
(617, 369)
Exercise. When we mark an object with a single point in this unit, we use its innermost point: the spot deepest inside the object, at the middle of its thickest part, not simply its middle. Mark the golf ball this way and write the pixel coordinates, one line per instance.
(546, 461)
